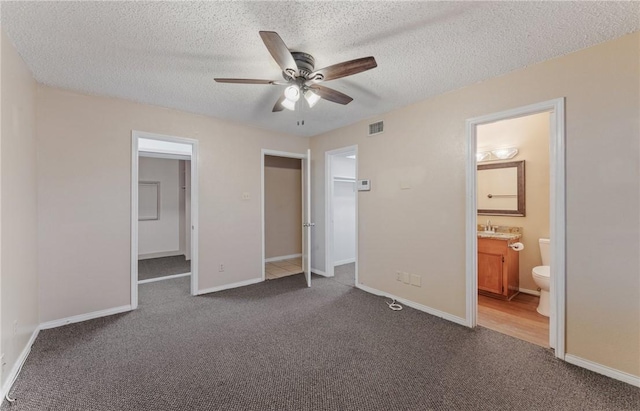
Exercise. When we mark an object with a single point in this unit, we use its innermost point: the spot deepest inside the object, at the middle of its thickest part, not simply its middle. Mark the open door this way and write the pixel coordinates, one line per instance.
(307, 225)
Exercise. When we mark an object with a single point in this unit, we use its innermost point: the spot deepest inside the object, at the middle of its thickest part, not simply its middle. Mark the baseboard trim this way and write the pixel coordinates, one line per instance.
(160, 254)
(282, 257)
(84, 317)
(319, 272)
(417, 306)
(530, 292)
(15, 370)
(603, 369)
(347, 261)
(166, 277)
(229, 286)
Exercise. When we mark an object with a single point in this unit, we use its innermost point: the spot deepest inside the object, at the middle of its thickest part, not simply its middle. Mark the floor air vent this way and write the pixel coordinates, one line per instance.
(376, 128)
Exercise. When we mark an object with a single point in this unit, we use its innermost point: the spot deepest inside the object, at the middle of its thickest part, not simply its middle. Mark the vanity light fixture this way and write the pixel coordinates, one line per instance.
(504, 153)
(482, 156)
(497, 154)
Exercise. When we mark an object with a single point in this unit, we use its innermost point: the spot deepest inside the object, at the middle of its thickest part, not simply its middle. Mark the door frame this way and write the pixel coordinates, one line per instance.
(276, 153)
(328, 207)
(557, 213)
(135, 136)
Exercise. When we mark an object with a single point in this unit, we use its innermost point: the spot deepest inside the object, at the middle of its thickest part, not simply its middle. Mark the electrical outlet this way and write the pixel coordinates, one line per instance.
(406, 278)
(398, 276)
(246, 196)
(416, 280)
(15, 327)
(221, 268)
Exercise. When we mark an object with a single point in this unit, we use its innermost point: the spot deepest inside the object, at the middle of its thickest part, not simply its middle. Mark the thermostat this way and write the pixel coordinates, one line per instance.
(364, 185)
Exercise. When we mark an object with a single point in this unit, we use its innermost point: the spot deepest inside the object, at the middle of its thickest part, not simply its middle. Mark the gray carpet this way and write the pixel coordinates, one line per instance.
(345, 274)
(278, 345)
(162, 267)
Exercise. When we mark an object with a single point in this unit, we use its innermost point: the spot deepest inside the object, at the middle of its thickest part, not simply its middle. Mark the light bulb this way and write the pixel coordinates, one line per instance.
(292, 93)
(481, 156)
(311, 97)
(288, 104)
(504, 153)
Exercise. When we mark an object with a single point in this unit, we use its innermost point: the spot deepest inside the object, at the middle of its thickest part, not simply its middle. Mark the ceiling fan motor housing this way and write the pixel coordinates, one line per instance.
(305, 63)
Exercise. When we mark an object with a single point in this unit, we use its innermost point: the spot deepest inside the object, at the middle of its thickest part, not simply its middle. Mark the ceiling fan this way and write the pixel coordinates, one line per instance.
(301, 78)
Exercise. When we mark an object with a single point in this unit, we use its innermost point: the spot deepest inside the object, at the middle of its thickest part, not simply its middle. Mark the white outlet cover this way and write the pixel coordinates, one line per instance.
(416, 280)
(406, 278)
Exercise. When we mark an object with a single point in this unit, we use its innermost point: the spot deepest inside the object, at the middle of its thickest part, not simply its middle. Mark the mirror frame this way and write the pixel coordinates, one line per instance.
(519, 165)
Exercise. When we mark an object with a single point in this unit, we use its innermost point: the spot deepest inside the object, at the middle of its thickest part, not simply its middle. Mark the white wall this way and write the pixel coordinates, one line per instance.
(413, 219)
(163, 235)
(344, 222)
(344, 210)
(84, 200)
(18, 205)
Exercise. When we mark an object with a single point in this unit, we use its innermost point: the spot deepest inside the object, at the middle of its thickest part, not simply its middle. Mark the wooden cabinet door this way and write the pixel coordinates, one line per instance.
(490, 276)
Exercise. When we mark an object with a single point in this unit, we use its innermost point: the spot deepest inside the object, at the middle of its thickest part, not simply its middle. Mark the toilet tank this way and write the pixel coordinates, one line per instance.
(544, 250)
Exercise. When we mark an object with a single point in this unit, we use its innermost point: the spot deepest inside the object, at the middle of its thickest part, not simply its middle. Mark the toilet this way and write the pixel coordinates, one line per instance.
(542, 277)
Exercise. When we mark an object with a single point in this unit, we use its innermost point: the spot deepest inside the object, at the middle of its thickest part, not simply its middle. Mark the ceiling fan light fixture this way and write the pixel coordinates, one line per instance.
(292, 93)
(289, 104)
(311, 97)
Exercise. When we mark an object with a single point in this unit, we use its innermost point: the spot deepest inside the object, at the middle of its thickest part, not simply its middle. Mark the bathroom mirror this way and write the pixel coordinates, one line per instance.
(500, 189)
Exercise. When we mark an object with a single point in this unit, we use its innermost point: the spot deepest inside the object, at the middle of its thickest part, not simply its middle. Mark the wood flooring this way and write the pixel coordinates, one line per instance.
(517, 318)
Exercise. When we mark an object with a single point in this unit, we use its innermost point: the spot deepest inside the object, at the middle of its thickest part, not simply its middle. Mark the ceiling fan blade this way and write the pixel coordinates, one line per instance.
(278, 106)
(245, 81)
(280, 52)
(331, 94)
(343, 69)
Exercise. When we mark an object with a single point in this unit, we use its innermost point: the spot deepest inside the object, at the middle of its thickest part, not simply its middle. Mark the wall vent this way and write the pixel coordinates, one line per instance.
(376, 128)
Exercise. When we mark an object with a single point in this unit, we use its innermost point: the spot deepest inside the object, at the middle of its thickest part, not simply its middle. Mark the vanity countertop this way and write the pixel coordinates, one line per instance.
(499, 236)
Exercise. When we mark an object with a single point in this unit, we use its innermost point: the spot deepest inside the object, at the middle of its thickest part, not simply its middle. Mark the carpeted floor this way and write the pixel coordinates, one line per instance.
(278, 345)
(345, 274)
(162, 267)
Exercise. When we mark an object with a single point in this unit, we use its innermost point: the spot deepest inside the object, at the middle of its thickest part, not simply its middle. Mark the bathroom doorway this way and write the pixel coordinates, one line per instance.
(513, 214)
(515, 204)
(295, 168)
(282, 216)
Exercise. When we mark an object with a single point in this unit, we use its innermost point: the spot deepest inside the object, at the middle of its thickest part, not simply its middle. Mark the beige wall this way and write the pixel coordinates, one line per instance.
(84, 183)
(421, 230)
(18, 215)
(282, 206)
(530, 135)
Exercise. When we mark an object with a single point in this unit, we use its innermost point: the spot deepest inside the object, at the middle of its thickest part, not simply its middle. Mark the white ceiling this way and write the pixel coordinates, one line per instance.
(167, 53)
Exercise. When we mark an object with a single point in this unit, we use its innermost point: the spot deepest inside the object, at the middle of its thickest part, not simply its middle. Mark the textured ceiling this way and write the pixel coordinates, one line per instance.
(167, 53)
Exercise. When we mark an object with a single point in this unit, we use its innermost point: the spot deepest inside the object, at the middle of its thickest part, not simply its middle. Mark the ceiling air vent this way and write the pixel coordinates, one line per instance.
(376, 128)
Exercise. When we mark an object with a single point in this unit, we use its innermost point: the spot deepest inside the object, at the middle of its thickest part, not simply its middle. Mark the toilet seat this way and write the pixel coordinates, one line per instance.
(542, 271)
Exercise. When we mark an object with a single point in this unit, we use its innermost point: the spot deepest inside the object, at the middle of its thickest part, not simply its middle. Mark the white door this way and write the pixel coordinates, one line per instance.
(307, 225)
(187, 210)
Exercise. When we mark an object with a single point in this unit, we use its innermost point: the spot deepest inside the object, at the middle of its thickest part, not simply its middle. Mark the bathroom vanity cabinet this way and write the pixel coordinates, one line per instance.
(498, 268)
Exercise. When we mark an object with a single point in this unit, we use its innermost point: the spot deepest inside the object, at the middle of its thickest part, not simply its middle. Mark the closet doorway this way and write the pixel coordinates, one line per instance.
(341, 242)
(164, 210)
